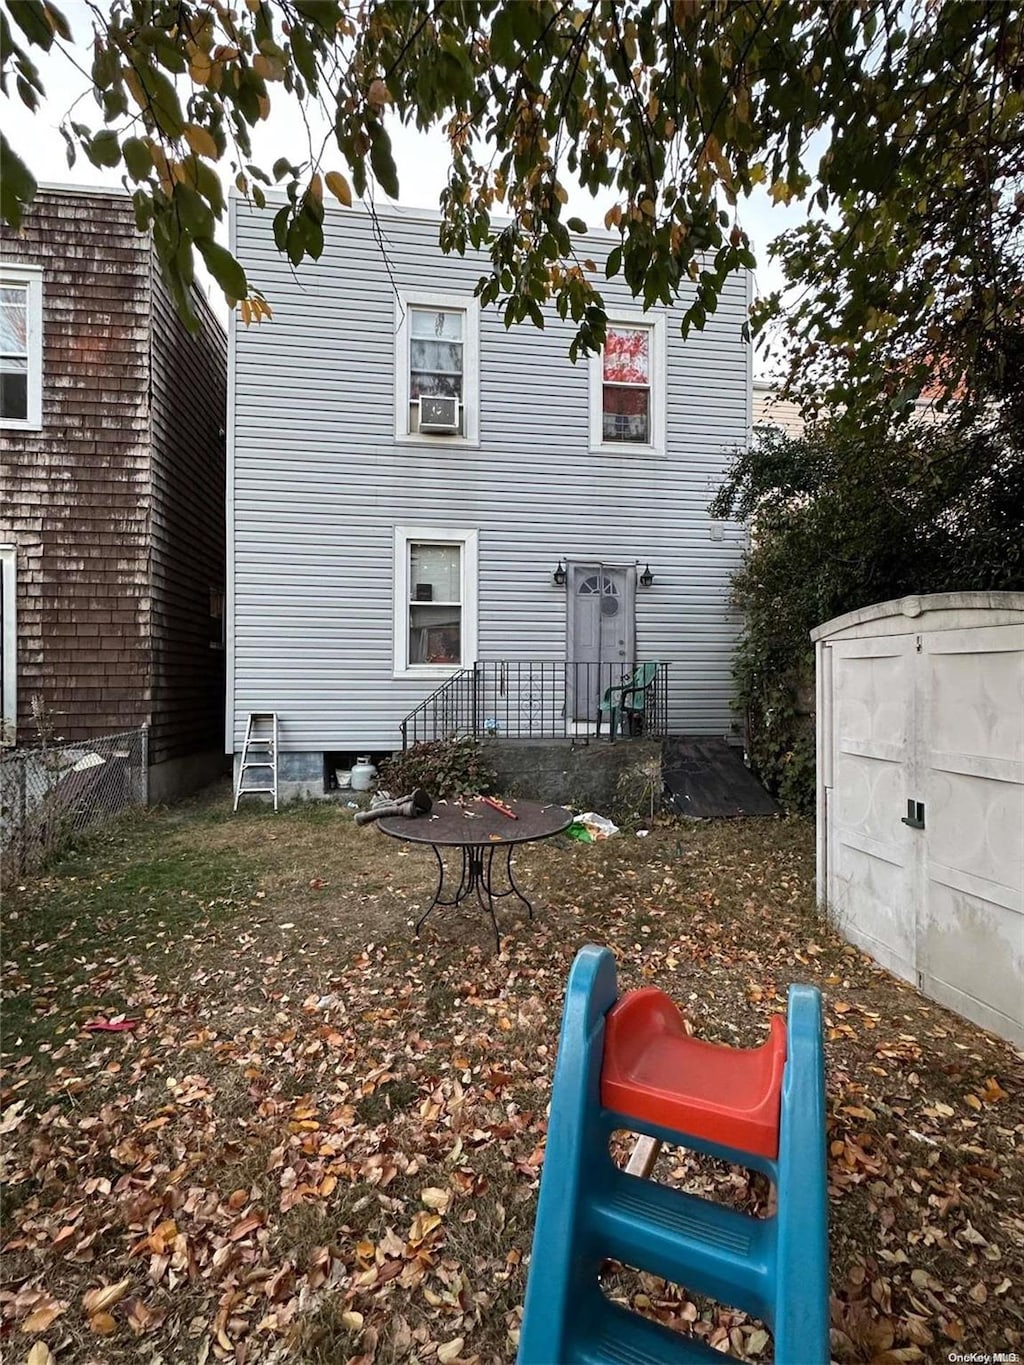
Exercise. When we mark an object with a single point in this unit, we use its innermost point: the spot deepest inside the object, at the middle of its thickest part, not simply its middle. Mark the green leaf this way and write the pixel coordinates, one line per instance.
(208, 183)
(282, 220)
(61, 27)
(576, 225)
(30, 16)
(137, 158)
(157, 98)
(382, 162)
(105, 67)
(502, 36)
(104, 149)
(193, 212)
(17, 185)
(296, 242)
(28, 95)
(224, 269)
(305, 59)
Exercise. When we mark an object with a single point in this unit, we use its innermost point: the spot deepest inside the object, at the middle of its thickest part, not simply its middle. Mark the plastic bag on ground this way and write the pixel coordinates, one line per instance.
(598, 826)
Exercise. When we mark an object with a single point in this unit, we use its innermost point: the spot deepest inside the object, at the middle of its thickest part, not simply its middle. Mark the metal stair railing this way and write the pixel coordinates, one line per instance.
(532, 699)
(452, 711)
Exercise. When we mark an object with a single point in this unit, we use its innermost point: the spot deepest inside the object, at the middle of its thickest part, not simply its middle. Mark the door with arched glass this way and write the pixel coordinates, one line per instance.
(601, 633)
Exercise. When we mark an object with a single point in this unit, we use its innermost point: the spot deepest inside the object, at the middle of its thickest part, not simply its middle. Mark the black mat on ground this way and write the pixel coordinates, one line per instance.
(707, 779)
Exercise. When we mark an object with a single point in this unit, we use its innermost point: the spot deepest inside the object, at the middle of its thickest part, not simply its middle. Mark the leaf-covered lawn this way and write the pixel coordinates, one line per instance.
(322, 1139)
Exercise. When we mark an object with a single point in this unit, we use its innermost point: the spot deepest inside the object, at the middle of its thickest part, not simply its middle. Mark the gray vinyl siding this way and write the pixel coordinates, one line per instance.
(319, 484)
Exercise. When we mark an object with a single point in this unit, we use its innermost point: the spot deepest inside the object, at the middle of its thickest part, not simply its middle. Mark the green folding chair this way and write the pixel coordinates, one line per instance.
(627, 701)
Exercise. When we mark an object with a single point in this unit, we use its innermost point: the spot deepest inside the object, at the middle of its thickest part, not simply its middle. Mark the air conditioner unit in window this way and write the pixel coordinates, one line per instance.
(439, 415)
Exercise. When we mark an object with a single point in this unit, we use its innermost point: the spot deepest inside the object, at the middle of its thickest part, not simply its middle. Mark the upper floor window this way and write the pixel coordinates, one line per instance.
(21, 347)
(436, 358)
(627, 398)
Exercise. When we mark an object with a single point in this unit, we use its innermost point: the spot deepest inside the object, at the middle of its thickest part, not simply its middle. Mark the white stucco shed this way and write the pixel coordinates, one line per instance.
(920, 715)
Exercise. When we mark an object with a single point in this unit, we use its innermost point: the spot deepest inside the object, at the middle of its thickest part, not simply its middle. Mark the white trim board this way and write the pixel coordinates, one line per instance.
(229, 515)
(9, 644)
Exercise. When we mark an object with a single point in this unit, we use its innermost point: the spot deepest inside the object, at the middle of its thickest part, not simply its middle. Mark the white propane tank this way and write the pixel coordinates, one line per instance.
(363, 774)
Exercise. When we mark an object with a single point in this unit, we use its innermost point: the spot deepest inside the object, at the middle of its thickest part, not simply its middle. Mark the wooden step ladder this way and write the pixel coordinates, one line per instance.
(259, 755)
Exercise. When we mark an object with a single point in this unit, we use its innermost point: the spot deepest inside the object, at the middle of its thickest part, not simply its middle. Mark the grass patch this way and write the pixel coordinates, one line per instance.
(136, 897)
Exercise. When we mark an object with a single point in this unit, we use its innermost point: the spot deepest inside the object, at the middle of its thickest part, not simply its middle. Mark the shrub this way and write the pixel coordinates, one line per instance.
(443, 767)
(843, 517)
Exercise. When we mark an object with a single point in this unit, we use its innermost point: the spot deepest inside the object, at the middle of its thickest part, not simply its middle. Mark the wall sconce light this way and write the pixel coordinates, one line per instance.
(560, 575)
(646, 578)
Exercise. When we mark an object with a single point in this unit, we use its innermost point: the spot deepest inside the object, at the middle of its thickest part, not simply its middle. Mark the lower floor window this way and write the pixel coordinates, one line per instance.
(435, 598)
(435, 578)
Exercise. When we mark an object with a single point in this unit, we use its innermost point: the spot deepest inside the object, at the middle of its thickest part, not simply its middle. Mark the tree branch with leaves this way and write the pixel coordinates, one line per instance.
(906, 274)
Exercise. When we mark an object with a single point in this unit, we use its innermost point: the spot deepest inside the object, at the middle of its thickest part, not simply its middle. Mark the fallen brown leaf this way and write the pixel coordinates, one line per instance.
(40, 1318)
(99, 1300)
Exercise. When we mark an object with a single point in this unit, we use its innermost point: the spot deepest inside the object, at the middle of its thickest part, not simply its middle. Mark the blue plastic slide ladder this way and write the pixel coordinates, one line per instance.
(590, 1210)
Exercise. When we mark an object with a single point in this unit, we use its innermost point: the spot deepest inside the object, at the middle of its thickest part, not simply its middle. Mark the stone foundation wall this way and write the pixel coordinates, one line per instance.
(599, 776)
(603, 777)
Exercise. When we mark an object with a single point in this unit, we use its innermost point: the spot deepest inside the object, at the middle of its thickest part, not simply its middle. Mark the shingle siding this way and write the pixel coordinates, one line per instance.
(189, 378)
(116, 506)
(320, 482)
(74, 494)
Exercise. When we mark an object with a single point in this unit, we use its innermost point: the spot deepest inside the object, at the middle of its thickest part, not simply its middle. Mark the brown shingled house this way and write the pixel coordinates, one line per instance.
(111, 492)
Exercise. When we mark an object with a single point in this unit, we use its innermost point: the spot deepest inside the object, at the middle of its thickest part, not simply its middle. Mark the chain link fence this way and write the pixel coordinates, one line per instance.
(49, 794)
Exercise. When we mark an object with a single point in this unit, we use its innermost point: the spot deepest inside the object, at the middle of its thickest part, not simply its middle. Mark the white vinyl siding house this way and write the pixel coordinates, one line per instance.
(343, 514)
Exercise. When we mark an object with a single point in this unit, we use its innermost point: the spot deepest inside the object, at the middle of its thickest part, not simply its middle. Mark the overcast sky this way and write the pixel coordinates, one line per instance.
(421, 158)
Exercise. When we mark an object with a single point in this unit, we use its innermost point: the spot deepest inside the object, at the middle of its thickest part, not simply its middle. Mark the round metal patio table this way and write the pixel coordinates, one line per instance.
(478, 831)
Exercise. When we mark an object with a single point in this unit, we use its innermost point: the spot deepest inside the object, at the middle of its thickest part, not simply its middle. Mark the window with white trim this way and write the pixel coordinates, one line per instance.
(21, 347)
(436, 356)
(435, 600)
(627, 387)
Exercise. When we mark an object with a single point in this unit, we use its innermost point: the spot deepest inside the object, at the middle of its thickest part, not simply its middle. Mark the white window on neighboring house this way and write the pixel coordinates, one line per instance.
(627, 387)
(8, 645)
(437, 369)
(21, 347)
(435, 600)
